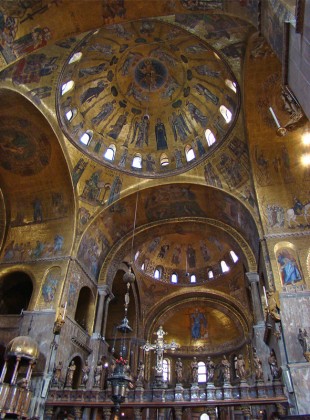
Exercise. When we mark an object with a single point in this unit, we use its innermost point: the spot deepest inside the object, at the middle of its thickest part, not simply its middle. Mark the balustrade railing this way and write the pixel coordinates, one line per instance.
(230, 393)
(14, 400)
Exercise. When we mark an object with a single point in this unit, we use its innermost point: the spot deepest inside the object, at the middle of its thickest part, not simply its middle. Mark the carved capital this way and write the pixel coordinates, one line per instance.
(103, 290)
(252, 277)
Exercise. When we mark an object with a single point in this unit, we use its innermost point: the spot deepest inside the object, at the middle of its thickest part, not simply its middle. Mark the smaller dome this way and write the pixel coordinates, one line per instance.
(23, 346)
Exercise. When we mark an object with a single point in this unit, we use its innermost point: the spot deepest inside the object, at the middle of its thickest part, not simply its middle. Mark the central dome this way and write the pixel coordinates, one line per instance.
(132, 101)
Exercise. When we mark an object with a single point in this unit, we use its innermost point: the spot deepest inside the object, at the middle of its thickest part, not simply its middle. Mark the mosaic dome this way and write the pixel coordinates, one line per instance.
(193, 252)
(133, 102)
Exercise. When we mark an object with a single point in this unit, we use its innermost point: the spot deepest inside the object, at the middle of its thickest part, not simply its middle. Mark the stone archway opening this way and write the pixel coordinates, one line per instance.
(15, 293)
(83, 308)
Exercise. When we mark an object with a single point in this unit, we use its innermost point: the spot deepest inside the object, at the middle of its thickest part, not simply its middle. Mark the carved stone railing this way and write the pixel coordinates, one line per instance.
(260, 393)
(14, 400)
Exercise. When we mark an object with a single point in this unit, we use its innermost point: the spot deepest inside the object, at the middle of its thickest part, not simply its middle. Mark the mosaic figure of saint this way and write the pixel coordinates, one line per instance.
(204, 70)
(198, 324)
(141, 132)
(191, 256)
(92, 92)
(197, 115)
(179, 127)
(288, 267)
(90, 71)
(106, 110)
(208, 95)
(118, 126)
(178, 158)
(161, 137)
(149, 163)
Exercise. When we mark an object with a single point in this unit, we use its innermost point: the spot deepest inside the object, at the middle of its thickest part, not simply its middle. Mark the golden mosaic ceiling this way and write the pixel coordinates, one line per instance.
(186, 249)
(147, 98)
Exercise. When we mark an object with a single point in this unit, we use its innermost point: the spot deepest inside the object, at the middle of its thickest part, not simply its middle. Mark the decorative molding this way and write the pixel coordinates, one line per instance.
(286, 235)
(81, 345)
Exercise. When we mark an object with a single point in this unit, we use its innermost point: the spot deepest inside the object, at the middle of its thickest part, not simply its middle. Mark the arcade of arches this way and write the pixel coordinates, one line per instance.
(154, 209)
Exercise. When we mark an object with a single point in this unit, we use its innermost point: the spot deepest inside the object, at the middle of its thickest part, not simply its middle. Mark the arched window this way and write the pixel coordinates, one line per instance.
(137, 161)
(86, 137)
(110, 152)
(189, 153)
(202, 373)
(71, 114)
(216, 56)
(226, 113)
(174, 278)
(137, 255)
(231, 85)
(156, 274)
(193, 278)
(224, 267)
(210, 274)
(66, 87)
(76, 57)
(204, 416)
(143, 267)
(234, 257)
(210, 137)
(164, 160)
(166, 370)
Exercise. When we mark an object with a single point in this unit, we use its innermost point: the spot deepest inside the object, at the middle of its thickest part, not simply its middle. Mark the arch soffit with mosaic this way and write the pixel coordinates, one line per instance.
(46, 113)
(51, 124)
(203, 197)
(119, 252)
(215, 299)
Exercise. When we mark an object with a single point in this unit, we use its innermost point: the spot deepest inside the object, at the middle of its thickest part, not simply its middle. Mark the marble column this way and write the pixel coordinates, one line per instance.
(98, 344)
(48, 413)
(103, 291)
(77, 413)
(281, 409)
(4, 370)
(104, 327)
(246, 410)
(211, 413)
(161, 413)
(178, 413)
(14, 376)
(138, 413)
(253, 279)
(29, 372)
(106, 413)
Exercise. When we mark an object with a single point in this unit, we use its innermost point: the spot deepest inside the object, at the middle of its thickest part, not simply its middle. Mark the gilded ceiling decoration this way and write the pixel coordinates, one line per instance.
(204, 326)
(189, 250)
(25, 149)
(151, 99)
(158, 207)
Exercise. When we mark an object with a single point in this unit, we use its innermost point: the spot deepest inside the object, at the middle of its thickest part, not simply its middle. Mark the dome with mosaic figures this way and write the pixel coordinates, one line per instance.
(187, 254)
(152, 100)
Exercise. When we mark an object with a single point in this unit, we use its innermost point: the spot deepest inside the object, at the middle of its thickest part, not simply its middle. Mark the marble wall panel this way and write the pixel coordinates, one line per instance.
(295, 314)
(301, 376)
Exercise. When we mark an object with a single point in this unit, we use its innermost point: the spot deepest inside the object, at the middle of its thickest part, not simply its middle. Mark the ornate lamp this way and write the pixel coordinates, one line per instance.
(120, 377)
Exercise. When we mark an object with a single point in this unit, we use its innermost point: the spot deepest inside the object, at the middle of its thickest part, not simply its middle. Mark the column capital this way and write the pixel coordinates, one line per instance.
(110, 297)
(252, 277)
(103, 290)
